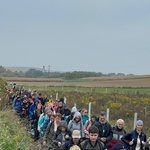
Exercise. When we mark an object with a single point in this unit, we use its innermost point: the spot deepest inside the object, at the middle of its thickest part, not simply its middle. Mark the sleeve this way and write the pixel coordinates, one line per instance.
(65, 146)
(126, 138)
(82, 130)
(46, 133)
(70, 125)
(54, 138)
(109, 138)
(81, 145)
(45, 124)
(145, 138)
(40, 121)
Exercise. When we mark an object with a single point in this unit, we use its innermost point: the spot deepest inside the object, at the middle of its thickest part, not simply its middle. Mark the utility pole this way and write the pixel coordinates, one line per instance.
(48, 71)
(43, 70)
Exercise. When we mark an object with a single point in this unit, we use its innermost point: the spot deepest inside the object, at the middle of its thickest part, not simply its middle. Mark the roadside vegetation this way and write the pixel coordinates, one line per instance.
(12, 134)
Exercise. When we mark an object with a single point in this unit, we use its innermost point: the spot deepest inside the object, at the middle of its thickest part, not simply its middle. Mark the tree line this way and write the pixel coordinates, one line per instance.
(34, 73)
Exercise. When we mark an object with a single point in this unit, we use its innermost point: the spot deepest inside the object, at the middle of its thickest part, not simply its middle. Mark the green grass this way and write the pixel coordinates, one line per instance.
(13, 136)
(93, 90)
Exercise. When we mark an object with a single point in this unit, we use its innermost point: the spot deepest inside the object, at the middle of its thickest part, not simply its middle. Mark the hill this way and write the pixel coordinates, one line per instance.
(23, 69)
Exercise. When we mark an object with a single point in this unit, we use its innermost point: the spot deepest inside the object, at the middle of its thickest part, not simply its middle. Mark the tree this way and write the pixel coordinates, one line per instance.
(33, 73)
(2, 69)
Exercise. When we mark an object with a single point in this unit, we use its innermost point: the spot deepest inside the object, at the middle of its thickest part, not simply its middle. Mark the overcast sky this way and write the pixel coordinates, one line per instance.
(76, 35)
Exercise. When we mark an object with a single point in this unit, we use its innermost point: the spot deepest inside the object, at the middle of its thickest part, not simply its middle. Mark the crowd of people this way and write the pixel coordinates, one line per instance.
(59, 128)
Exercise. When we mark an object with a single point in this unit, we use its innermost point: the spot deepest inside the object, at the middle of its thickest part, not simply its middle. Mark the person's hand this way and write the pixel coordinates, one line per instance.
(144, 143)
(39, 129)
(67, 137)
(59, 144)
(86, 132)
(131, 143)
(44, 142)
(87, 135)
(103, 139)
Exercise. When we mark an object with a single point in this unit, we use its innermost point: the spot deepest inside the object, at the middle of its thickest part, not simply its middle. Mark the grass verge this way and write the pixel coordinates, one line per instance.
(12, 135)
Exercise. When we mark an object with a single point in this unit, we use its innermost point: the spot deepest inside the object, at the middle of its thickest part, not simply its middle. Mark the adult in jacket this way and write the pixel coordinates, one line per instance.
(105, 129)
(62, 135)
(74, 140)
(93, 142)
(136, 139)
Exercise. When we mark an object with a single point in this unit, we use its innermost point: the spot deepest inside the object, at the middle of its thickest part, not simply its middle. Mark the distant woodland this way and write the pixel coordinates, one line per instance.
(34, 73)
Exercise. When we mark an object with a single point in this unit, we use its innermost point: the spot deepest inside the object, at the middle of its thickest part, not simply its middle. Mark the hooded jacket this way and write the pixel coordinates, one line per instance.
(58, 137)
(70, 117)
(73, 125)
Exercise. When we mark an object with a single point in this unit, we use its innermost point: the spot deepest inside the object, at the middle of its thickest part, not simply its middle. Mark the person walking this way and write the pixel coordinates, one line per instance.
(76, 123)
(93, 142)
(118, 132)
(74, 140)
(136, 139)
(105, 129)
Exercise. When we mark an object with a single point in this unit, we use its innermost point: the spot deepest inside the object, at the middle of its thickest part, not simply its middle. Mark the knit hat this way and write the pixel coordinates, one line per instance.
(139, 122)
(76, 134)
(46, 109)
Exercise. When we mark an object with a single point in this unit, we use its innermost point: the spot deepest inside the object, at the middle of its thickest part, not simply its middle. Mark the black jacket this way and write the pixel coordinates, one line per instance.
(70, 143)
(132, 136)
(87, 145)
(105, 130)
(58, 137)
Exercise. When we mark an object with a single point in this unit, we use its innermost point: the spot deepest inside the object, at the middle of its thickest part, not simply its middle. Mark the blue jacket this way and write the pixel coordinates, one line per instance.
(17, 104)
(31, 110)
(45, 124)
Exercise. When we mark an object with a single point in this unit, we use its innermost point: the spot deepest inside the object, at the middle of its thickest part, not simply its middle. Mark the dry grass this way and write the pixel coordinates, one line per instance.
(17, 79)
(114, 81)
(118, 77)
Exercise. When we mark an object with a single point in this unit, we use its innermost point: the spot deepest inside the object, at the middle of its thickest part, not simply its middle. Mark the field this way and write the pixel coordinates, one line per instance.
(123, 95)
(114, 81)
(115, 84)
